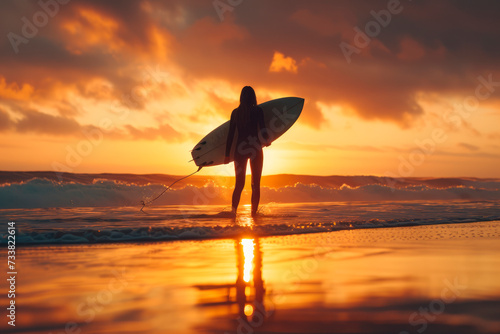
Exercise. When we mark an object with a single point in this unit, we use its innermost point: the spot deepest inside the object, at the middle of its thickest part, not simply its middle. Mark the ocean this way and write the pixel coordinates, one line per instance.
(50, 208)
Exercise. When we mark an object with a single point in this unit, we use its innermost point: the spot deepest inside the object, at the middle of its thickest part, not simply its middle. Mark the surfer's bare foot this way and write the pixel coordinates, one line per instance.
(233, 212)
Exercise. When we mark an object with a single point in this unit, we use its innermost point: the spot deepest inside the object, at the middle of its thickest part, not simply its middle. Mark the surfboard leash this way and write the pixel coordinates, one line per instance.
(144, 204)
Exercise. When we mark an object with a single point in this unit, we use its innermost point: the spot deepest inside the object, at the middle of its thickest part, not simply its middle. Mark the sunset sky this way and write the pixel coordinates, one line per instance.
(408, 88)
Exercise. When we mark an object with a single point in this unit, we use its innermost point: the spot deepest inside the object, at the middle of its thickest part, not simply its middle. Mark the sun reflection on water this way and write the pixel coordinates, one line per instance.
(248, 310)
(248, 254)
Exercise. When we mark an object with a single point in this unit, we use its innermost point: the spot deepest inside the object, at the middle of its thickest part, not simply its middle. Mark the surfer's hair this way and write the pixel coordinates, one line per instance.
(247, 101)
(247, 97)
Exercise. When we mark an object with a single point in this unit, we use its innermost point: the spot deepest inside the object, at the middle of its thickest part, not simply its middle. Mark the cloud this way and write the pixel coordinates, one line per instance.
(321, 24)
(33, 121)
(38, 122)
(411, 50)
(12, 91)
(5, 122)
(469, 147)
(281, 63)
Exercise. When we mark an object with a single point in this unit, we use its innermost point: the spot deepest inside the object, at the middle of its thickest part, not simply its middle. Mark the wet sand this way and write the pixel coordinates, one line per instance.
(423, 279)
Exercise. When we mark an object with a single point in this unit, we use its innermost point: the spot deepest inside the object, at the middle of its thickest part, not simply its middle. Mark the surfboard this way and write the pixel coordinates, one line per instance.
(279, 116)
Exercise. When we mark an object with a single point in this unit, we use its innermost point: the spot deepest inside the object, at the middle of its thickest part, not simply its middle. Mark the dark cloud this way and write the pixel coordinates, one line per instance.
(37, 122)
(33, 121)
(469, 147)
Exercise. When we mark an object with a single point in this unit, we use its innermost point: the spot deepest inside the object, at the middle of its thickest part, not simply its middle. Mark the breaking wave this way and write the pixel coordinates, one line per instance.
(45, 193)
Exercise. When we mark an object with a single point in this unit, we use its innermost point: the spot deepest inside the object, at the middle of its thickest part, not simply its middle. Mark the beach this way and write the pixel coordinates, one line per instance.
(433, 279)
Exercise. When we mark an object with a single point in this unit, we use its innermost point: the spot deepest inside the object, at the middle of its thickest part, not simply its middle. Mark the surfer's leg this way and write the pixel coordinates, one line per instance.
(240, 168)
(256, 167)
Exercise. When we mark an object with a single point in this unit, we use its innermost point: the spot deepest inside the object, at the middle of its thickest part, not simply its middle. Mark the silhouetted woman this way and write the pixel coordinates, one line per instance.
(248, 119)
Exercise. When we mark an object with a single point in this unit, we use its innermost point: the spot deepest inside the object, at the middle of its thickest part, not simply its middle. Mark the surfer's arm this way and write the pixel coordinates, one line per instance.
(230, 136)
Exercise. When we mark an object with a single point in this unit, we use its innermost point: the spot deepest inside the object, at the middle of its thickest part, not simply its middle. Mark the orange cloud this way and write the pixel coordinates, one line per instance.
(92, 29)
(13, 92)
(5, 122)
(281, 63)
(160, 42)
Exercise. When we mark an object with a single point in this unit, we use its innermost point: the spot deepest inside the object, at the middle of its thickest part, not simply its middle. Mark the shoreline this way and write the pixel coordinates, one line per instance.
(239, 230)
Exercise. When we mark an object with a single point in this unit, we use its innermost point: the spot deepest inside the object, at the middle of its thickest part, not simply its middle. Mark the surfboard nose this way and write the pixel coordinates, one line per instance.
(301, 101)
(296, 101)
